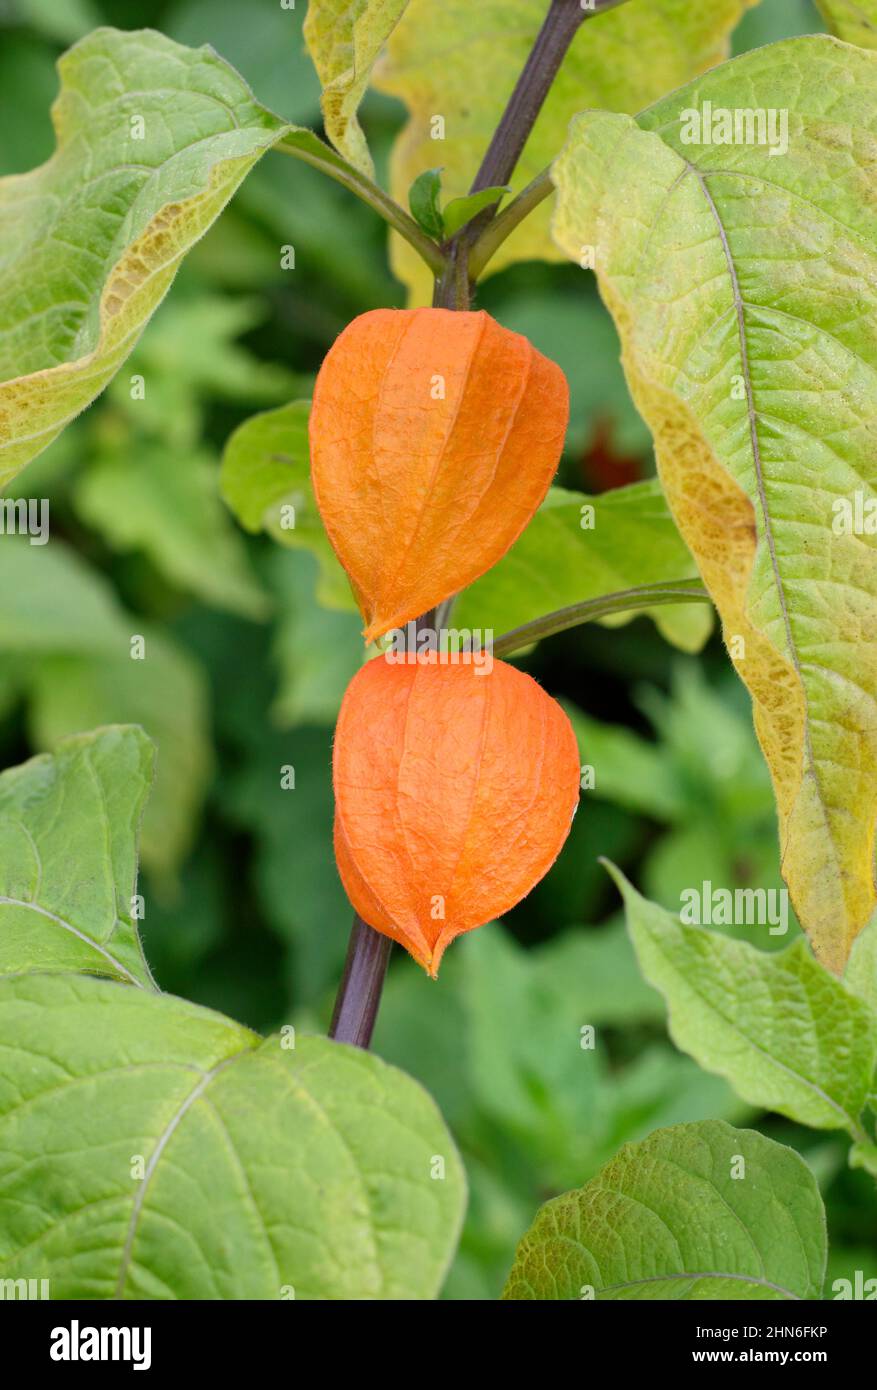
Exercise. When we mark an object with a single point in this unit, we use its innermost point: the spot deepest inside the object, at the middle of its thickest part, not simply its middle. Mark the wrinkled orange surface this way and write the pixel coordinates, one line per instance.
(454, 793)
(434, 437)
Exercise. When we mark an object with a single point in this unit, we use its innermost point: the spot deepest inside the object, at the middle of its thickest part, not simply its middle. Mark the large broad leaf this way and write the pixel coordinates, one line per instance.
(742, 285)
(577, 548)
(460, 62)
(167, 694)
(785, 1032)
(69, 645)
(344, 38)
(153, 139)
(852, 20)
(150, 1149)
(694, 1213)
(68, 861)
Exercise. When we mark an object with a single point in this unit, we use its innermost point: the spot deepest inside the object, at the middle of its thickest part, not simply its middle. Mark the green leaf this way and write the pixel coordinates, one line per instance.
(861, 973)
(344, 40)
(68, 865)
(165, 693)
(864, 1155)
(785, 1032)
(69, 643)
(548, 1113)
(450, 60)
(190, 353)
(459, 211)
(559, 560)
(53, 602)
(423, 200)
(628, 769)
(268, 51)
(694, 1213)
(597, 967)
(124, 201)
(755, 380)
(502, 1051)
(266, 481)
(855, 21)
(152, 498)
(268, 1172)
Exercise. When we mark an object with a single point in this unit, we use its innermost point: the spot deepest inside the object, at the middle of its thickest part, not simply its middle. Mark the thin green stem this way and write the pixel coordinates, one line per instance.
(505, 222)
(589, 610)
(312, 151)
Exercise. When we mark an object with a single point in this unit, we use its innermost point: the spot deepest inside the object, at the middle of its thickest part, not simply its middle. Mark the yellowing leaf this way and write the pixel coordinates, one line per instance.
(852, 20)
(153, 139)
(344, 37)
(459, 61)
(744, 287)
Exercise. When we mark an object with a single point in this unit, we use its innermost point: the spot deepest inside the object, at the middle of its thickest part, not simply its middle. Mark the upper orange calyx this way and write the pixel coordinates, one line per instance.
(434, 436)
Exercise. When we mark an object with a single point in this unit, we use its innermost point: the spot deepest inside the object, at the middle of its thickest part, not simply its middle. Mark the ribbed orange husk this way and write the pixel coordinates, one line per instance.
(454, 792)
(434, 437)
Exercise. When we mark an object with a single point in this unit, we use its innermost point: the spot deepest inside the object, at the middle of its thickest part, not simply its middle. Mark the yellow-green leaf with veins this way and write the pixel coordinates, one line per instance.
(69, 825)
(459, 61)
(344, 38)
(272, 1172)
(153, 139)
(852, 20)
(668, 1219)
(745, 289)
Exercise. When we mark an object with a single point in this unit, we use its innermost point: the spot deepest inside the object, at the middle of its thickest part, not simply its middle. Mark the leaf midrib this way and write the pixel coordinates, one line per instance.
(81, 935)
(767, 520)
(161, 1144)
(849, 1121)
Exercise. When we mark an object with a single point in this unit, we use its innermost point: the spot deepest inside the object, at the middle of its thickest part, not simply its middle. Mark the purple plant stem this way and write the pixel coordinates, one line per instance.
(368, 953)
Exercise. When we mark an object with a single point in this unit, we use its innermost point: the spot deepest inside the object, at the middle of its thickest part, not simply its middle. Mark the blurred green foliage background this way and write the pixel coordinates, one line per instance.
(244, 909)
